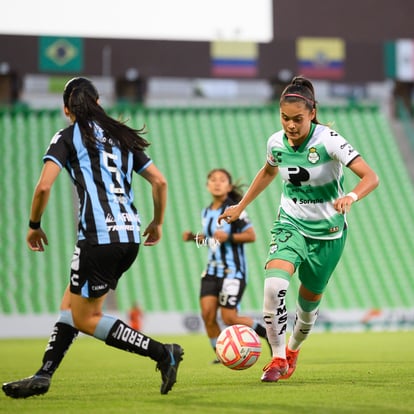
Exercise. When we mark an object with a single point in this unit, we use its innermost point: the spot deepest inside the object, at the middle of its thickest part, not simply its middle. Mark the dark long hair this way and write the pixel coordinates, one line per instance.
(236, 192)
(300, 89)
(81, 98)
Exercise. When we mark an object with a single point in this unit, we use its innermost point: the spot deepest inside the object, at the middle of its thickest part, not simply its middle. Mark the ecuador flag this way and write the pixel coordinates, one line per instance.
(234, 59)
(321, 57)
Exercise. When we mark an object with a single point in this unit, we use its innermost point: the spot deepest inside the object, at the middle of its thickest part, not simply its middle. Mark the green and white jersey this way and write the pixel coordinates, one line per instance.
(312, 180)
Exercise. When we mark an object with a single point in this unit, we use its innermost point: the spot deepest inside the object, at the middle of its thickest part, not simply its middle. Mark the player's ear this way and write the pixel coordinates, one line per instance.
(69, 114)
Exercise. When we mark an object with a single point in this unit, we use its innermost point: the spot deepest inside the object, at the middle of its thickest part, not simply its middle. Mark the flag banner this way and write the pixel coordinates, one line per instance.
(321, 57)
(234, 59)
(399, 59)
(60, 54)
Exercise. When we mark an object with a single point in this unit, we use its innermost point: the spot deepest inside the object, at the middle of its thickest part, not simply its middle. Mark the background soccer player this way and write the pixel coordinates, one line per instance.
(225, 278)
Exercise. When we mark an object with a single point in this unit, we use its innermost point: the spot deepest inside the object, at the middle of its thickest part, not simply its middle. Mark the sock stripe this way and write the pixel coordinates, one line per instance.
(283, 274)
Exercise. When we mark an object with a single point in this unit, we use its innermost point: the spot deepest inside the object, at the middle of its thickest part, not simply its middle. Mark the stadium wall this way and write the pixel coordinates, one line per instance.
(363, 25)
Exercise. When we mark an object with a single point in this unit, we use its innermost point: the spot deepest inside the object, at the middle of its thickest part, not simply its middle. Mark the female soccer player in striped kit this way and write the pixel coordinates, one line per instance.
(308, 235)
(225, 278)
(100, 154)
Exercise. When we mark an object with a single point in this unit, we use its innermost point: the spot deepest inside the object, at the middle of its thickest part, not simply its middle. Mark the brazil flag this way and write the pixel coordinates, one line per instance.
(60, 54)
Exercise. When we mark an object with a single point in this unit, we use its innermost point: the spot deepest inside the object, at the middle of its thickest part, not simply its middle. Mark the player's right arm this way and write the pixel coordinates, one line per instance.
(263, 178)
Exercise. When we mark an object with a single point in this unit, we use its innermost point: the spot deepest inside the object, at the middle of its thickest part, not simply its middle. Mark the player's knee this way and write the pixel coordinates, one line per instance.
(274, 293)
(229, 316)
(208, 317)
(85, 324)
(229, 320)
(78, 322)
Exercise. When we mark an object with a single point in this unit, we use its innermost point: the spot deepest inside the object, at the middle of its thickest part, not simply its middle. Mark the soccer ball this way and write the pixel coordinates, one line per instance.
(238, 347)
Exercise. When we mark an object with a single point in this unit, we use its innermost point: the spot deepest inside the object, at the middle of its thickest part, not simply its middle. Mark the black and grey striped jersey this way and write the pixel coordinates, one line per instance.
(103, 178)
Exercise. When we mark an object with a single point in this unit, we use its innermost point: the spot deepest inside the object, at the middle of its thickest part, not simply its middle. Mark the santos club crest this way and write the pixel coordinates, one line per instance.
(313, 156)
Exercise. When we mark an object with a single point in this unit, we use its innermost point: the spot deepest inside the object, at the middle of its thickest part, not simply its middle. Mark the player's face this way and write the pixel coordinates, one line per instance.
(296, 121)
(218, 184)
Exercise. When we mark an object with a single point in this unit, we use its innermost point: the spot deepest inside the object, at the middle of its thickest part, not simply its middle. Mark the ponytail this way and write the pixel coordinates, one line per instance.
(80, 97)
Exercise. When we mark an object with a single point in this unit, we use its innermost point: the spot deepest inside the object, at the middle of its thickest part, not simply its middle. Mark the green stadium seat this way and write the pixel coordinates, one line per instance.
(186, 143)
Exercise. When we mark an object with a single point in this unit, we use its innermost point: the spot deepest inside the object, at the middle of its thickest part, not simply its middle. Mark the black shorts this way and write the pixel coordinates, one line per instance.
(228, 291)
(97, 268)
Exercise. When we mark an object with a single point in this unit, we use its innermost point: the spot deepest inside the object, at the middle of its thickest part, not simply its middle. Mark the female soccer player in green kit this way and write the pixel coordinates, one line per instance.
(309, 233)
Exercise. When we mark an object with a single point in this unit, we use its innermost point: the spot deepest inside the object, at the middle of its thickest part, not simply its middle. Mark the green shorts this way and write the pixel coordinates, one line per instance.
(314, 259)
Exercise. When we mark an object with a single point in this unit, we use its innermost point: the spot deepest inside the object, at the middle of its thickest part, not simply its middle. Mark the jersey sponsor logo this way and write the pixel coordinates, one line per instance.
(274, 158)
(74, 279)
(75, 265)
(303, 201)
(121, 199)
(103, 139)
(109, 218)
(271, 159)
(297, 175)
(99, 287)
(120, 227)
(128, 217)
(348, 146)
(273, 248)
(56, 137)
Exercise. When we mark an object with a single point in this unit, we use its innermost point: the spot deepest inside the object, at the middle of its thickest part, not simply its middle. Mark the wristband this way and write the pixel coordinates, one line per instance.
(230, 239)
(34, 225)
(353, 196)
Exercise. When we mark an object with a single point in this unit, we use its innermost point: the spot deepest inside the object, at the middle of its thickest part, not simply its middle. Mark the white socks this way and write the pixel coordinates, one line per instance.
(275, 314)
(274, 310)
(304, 322)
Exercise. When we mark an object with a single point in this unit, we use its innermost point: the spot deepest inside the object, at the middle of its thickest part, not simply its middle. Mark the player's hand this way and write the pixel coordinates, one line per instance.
(36, 239)
(230, 214)
(221, 236)
(153, 233)
(188, 236)
(343, 204)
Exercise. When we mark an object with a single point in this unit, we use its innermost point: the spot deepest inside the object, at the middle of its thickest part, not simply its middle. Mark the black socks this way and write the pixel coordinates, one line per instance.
(60, 340)
(123, 337)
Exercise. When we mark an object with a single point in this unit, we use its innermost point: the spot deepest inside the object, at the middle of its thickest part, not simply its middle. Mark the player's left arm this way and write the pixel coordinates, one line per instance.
(368, 182)
(246, 236)
(159, 195)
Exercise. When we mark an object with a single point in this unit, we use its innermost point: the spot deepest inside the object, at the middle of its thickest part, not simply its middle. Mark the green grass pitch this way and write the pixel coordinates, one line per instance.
(369, 372)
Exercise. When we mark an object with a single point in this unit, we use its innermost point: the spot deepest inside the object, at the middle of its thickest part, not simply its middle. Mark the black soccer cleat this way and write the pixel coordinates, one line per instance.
(169, 367)
(27, 387)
